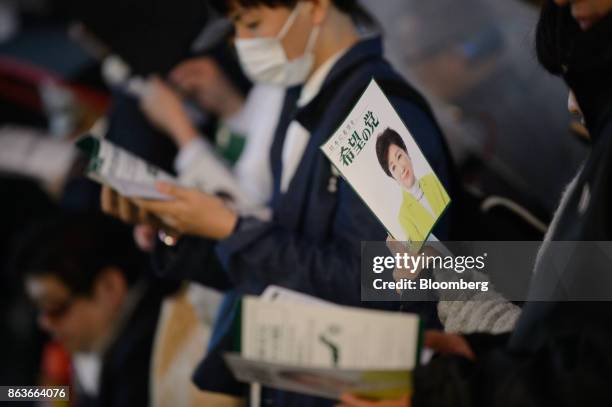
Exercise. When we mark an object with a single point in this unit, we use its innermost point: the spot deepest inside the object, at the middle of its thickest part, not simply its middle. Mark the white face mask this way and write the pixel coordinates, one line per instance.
(264, 59)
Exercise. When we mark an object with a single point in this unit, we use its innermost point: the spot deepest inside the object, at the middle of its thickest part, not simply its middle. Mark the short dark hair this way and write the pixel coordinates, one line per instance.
(384, 141)
(556, 33)
(75, 248)
(225, 6)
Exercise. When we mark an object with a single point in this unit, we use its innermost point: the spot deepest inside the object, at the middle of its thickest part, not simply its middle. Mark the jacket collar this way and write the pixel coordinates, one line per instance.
(366, 49)
(310, 116)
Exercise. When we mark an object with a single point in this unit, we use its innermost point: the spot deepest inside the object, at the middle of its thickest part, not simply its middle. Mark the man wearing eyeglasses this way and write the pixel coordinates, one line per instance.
(85, 276)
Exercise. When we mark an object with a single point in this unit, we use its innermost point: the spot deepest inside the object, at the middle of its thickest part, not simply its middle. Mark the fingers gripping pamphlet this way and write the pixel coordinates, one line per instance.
(298, 343)
(377, 155)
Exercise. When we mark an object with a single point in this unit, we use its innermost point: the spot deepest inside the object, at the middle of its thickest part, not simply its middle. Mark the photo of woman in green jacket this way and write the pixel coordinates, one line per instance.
(424, 199)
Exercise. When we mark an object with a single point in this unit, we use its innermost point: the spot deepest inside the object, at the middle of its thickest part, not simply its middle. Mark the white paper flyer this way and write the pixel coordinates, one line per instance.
(377, 155)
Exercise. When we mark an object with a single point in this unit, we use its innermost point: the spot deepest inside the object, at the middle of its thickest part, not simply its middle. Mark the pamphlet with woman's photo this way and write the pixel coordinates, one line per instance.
(375, 152)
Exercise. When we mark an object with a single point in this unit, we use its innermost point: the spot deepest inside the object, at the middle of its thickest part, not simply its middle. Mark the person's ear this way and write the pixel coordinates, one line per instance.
(319, 11)
(110, 287)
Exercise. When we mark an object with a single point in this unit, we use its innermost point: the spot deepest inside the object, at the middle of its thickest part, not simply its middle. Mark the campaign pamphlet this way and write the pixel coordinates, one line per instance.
(299, 343)
(329, 383)
(128, 174)
(377, 155)
(132, 176)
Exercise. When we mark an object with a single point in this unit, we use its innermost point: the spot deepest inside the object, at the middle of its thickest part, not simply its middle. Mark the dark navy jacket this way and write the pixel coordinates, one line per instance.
(559, 352)
(126, 366)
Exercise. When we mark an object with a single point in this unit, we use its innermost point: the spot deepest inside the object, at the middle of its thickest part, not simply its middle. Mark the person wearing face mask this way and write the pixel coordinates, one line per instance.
(265, 60)
(320, 53)
(325, 53)
(424, 197)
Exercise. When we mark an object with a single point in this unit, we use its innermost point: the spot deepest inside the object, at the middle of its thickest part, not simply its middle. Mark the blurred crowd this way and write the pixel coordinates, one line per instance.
(132, 302)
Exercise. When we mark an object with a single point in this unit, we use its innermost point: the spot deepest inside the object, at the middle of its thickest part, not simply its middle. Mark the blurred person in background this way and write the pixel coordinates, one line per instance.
(88, 280)
(192, 258)
(21, 342)
(212, 80)
(252, 117)
(558, 353)
(165, 39)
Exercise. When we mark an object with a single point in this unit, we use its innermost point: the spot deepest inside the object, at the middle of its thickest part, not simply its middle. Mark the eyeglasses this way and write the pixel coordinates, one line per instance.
(57, 311)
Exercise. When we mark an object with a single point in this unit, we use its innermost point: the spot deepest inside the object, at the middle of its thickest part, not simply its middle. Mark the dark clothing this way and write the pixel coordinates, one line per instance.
(128, 128)
(587, 215)
(192, 259)
(126, 365)
(23, 205)
(559, 353)
(587, 274)
(151, 37)
(588, 65)
(212, 373)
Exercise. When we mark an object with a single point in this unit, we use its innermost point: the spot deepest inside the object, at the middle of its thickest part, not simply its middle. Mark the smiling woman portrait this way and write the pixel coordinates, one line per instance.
(424, 199)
